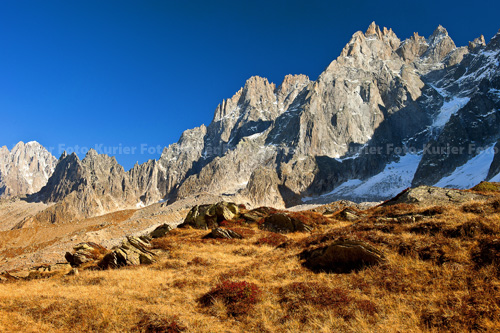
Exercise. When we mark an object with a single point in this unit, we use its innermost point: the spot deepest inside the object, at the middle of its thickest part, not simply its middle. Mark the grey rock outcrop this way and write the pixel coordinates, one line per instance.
(160, 231)
(84, 253)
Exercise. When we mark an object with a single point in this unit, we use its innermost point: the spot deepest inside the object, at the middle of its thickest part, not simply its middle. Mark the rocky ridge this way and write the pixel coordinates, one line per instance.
(372, 124)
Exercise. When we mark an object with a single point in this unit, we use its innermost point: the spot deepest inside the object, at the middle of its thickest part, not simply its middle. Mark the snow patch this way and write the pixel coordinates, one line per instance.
(471, 173)
(254, 136)
(448, 109)
(396, 177)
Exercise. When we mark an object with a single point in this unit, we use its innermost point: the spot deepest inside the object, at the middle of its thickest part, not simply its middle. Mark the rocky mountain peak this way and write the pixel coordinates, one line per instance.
(92, 153)
(412, 48)
(25, 169)
(373, 29)
(373, 44)
(291, 82)
(478, 42)
(494, 43)
(439, 33)
(440, 45)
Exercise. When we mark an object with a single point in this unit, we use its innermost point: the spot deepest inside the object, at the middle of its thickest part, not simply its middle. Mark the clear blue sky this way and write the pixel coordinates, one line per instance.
(135, 73)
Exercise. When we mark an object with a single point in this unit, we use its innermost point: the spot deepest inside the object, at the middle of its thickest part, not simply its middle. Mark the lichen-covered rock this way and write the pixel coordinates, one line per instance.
(257, 214)
(209, 216)
(343, 256)
(132, 251)
(283, 223)
(348, 214)
(160, 231)
(223, 233)
(85, 252)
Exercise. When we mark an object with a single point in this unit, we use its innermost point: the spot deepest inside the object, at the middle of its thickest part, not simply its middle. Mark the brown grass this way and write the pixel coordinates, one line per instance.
(441, 274)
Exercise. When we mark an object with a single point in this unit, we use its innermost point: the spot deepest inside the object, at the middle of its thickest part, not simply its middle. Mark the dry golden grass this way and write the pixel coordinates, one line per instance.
(429, 283)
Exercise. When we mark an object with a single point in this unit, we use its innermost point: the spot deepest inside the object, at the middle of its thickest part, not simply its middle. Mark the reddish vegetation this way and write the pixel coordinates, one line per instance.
(245, 232)
(239, 297)
(310, 218)
(296, 297)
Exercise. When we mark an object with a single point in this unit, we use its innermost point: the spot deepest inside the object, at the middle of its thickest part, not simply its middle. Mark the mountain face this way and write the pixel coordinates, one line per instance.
(25, 169)
(385, 115)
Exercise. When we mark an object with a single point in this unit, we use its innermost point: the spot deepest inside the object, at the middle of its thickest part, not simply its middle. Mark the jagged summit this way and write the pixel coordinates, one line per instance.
(478, 42)
(24, 169)
(357, 132)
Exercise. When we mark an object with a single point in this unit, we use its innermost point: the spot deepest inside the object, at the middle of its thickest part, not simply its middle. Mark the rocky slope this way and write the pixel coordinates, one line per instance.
(372, 124)
(25, 169)
(385, 115)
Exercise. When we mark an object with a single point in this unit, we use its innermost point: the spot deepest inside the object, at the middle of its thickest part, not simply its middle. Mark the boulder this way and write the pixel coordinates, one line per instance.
(223, 233)
(257, 214)
(133, 251)
(110, 261)
(85, 252)
(160, 231)
(283, 223)
(347, 214)
(209, 216)
(342, 256)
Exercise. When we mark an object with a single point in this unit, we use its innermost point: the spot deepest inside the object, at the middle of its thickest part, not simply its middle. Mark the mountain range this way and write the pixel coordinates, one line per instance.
(385, 115)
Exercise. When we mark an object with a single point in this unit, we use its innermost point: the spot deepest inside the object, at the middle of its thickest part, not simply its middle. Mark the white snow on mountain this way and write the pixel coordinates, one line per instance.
(448, 109)
(471, 173)
(396, 177)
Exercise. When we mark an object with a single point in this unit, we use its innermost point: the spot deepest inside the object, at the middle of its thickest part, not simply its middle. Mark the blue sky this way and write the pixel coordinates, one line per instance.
(135, 74)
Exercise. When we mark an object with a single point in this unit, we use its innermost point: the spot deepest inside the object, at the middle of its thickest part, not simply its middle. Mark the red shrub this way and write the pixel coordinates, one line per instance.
(245, 232)
(232, 223)
(298, 295)
(310, 218)
(272, 239)
(239, 297)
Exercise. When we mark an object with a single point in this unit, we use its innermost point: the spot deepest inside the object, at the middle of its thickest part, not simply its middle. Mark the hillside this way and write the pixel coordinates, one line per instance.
(438, 271)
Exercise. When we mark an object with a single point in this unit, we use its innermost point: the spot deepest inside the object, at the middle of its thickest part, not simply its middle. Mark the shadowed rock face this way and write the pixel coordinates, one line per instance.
(283, 223)
(274, 145)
